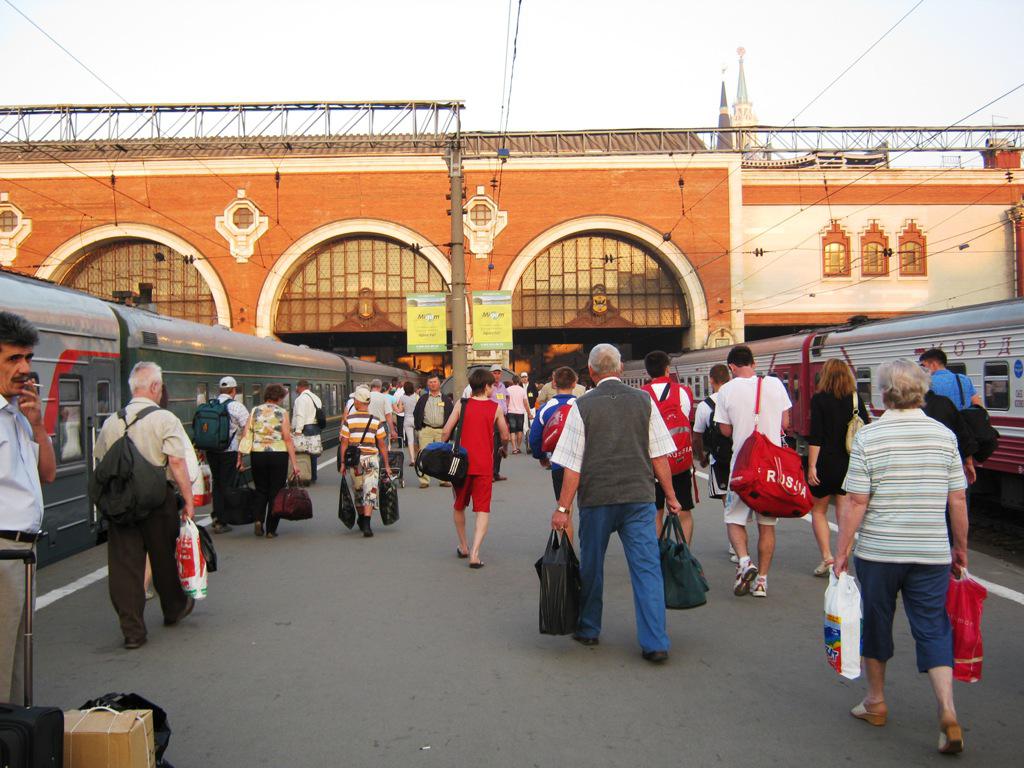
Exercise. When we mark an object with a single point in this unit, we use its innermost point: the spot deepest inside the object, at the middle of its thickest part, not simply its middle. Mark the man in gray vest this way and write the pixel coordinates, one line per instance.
(613, 446)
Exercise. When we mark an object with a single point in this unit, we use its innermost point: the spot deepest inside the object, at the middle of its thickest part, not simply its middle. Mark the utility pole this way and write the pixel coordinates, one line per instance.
(460, 342)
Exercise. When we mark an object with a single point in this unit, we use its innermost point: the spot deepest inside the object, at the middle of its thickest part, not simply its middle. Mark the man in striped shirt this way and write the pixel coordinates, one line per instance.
(904, 470)
(368, 432)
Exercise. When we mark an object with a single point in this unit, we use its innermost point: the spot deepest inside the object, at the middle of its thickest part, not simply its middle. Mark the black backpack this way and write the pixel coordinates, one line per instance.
(125, 487)
(211, 426)
(717, 445)
(977, 421)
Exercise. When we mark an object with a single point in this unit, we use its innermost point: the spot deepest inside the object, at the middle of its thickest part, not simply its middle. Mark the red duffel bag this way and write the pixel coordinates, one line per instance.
(292, 503)
(768, 477)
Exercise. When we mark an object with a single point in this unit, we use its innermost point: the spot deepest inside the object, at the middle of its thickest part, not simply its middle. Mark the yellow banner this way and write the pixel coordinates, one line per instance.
(492, 320)
(426, 322)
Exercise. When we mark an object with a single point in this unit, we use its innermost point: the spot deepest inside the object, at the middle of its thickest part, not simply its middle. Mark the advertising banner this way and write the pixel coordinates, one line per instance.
(426, 322)
(492, 320)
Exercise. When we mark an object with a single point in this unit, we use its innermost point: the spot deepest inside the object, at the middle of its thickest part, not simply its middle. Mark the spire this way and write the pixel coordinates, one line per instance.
(724, 140)
(741, 87)
(742, 110)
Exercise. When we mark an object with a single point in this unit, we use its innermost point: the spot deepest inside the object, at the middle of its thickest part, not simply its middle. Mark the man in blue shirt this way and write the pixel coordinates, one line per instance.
(26, 461)
(955, 386)
(564, 381)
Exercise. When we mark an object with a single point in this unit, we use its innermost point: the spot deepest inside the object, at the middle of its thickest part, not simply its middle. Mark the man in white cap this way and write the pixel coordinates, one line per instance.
(223, 469)
(499, 394)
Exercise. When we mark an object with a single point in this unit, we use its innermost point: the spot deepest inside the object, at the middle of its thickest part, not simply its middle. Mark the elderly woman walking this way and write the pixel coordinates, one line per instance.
(273, 452)
(904, 470)
(832, 408)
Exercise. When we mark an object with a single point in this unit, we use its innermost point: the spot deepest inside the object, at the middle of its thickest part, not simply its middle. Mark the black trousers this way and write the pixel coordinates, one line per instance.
(497, 453)
(127, 547)
(269, 474)
(224, 472)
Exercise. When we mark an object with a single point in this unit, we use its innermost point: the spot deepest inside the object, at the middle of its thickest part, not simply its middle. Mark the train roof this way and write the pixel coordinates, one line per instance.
(148, 330)
(52, 307)
(379, 370)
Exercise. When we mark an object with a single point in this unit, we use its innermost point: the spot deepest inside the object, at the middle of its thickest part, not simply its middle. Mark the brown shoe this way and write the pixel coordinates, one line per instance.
(446, 484)
(877, 715)
(131, 645)
(499, 478)
(189, 605)
(951, 738)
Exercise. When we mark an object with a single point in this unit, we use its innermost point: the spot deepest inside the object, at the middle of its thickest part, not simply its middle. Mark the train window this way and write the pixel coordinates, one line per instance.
(286, 403)
(997, 386)
(794, 388)
(334, 398)
(957, 368)
(202, 393)
(102, 398)
(864, 385)
(69, 421)
(256, 394)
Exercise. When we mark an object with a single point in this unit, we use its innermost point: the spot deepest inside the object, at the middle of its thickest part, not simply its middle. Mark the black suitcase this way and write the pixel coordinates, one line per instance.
(396, 460)
(30, 737)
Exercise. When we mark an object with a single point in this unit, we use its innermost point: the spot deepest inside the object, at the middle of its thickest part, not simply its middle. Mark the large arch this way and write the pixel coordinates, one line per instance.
(266, 309)
(669, 253)
(65, 256)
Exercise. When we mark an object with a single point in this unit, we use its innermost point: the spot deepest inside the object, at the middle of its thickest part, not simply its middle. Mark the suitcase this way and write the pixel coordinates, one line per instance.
(30, 737)
(396, 460)
(305, 464)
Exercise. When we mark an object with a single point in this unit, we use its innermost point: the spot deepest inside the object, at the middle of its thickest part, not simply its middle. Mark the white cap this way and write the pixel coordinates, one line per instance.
(227, 382)
(524, 375)
(361, 395)
(496, 367)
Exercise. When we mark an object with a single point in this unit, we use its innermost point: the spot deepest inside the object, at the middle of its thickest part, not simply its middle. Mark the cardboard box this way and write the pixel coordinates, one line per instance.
(100, 738)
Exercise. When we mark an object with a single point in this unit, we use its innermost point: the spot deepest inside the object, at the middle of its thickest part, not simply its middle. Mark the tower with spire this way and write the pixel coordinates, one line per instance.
(742, 109)
(724, 140)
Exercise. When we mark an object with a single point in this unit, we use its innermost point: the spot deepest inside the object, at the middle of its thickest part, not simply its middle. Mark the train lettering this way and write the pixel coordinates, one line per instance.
(981, 345)
(1004, 348)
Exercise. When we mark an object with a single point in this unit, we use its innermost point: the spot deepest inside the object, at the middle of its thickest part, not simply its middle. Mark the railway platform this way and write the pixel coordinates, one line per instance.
(322, 648)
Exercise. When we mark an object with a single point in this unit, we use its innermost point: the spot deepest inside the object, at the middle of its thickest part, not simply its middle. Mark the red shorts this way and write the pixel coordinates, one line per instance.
(477, 487)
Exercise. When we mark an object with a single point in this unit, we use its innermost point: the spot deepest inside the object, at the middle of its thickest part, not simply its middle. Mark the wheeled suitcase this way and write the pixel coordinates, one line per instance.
(30, 737)
(396, 460)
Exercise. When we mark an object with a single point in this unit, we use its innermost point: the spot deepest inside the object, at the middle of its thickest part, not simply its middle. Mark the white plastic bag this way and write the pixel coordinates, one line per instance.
(843, 625)
(191, 563)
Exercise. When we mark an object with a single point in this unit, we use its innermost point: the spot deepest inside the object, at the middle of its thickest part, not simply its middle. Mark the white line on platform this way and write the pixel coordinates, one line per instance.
(56, 594)
(324, 463)
(996, 589)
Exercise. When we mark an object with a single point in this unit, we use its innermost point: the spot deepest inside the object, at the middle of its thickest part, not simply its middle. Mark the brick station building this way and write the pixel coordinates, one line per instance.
(648, 239)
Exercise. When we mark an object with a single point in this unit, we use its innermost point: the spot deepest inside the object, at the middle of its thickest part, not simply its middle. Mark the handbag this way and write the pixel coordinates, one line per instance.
(245, 443)
(685, 584)
(346, 505)
(388, 500)
(448, 462)
(853, 425)
(292, 503)
(353, 452)
(560, 585)
(768, 477)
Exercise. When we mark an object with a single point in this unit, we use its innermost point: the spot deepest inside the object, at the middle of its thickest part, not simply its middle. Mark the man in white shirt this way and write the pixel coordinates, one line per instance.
(223, 464)
(734, 413)
(304, 423)
(26, 461)
(382, 408)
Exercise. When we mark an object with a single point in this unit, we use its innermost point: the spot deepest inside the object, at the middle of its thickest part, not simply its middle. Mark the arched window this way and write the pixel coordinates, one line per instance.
(595, 280)
(913, 253)
(874, 259)
(835, 249)
(125, 264)
(354, 284)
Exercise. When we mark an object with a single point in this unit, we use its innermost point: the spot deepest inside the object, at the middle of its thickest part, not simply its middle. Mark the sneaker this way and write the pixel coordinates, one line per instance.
(219, 527)
(760, 588)
(733, 557)
(744, 576)
(150, 594)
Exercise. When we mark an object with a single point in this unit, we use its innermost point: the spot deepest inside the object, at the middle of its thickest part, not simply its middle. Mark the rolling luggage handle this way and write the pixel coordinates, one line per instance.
(28, 556)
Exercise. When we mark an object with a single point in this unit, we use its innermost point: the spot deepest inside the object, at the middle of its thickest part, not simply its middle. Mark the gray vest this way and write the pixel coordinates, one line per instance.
(617, 466)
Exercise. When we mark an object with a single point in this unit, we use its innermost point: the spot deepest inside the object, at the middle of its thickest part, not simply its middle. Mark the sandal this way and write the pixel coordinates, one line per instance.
(476, 566)
(877, 718)
(823, 567)
(462, 555)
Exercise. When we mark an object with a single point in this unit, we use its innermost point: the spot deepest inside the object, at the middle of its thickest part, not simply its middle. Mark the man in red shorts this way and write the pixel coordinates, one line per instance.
(482, 418)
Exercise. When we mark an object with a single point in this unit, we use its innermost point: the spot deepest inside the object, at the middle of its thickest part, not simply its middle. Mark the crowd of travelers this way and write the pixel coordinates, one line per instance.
(897, 483)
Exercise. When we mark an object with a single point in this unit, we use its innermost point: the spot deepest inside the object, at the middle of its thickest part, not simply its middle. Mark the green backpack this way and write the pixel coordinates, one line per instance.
(125, 487)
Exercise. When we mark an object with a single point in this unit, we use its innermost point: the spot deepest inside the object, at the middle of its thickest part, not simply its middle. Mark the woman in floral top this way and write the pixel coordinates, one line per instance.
(273, 451)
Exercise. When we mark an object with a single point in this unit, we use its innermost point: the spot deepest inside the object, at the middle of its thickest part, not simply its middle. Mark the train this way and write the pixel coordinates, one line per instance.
(86, 350)
(983, 341)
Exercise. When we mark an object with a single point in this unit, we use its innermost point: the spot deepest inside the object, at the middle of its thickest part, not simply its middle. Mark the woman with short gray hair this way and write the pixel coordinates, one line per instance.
(904, 471)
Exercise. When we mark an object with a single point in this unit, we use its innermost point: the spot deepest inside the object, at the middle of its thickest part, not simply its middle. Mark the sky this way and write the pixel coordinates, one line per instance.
(579, 63)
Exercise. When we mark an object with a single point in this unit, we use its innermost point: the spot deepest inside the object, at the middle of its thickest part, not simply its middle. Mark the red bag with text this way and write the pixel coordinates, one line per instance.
(964, 602)
(768, 477)
(670, 405)
(553, 428)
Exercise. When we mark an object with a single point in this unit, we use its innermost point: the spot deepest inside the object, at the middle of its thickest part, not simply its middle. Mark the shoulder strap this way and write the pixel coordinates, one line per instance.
(458, 427)
(665, 392)
(369, 420)
(139, 416)
(757, 399)
(710, 404)
(855, 402)
(960, 386)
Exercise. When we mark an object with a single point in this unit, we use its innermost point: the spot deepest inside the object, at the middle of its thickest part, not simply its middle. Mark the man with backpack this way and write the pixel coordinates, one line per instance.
(216, 428)
(564, 380)
(308, 421)
(142, 508)
(674, 402)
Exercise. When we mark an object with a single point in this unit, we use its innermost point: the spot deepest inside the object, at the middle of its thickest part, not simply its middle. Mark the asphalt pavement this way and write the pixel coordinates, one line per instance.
(322, 648)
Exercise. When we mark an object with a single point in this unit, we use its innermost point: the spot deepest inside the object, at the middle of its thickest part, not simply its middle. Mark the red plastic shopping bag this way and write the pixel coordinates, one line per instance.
(964, 602)
(191, 562)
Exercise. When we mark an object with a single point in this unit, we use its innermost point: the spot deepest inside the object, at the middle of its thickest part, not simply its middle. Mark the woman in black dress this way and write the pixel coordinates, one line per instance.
(832, 408)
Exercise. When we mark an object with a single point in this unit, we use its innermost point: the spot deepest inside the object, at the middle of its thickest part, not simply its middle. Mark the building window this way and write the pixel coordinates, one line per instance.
(243, 218)
(481, 214)
(874, 252)
(8, 221)
(835, 244)
(913, 254)
(997, 386)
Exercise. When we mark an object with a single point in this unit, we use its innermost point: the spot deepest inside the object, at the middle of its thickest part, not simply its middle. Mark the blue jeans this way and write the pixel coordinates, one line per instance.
(635, 525)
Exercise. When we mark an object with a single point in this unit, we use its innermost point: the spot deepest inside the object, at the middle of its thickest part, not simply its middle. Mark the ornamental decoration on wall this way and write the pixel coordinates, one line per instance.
(14, 228)
(242, 225)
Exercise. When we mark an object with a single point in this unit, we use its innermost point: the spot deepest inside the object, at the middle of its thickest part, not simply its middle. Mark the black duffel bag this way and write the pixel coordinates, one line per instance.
(448, 462)
(978, 422)
(388, 500)
(120, 702)
(346, 505)
(239, 502)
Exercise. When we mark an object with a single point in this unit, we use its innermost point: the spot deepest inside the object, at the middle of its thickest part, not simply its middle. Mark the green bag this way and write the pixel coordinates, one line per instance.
(685, 585)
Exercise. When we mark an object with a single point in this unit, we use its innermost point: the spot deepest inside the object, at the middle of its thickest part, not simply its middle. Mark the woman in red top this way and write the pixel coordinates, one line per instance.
(482, 417)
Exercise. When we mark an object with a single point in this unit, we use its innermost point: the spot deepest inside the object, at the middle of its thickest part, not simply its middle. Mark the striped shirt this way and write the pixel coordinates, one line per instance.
(362, 429)
(907, 463)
